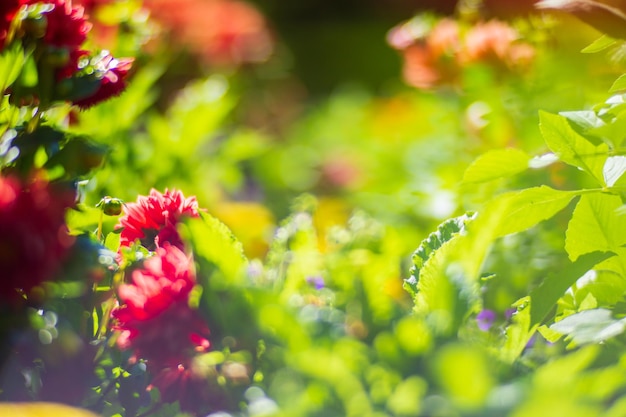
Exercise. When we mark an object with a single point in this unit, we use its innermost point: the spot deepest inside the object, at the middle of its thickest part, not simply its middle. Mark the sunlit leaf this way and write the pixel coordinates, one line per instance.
(590, 326)
(599, 44)
(496, 164)
(12, 60)
(571, 147)
(614, 168)
(544, 297)
(595, 226)
(528, 207)
(619, 84)
(534, 309)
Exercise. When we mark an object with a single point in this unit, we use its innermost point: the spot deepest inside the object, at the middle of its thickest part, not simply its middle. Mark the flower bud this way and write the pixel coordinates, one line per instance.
(111, 206)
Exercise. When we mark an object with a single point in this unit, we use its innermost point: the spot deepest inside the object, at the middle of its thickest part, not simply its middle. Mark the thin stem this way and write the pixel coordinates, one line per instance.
(99, 232)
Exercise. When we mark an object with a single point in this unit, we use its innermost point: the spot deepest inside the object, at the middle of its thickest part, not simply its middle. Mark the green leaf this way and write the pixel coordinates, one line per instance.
(534, 309)
(585, 119)
(599, 44)
(444, 293)
(544, 297)
(595, 226)
(614, 168)
(12, 61)
(112, 241)
(590, 326)
(571, 147)
(526, 208)
(619, 84)
(214, 243)
(446, 231)
(496, 164)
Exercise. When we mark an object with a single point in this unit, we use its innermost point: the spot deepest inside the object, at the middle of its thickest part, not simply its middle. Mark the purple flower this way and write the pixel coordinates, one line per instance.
(316, 281)
(485, 319)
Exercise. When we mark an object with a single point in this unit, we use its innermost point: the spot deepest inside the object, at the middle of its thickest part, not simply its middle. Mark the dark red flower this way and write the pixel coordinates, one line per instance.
(8, 9)
(67, 26)
(155, 319)
(112, 74)
(34, 239)
(152, 219)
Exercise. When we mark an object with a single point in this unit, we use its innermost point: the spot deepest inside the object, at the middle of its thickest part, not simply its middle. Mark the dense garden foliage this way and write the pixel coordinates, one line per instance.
(193, 224)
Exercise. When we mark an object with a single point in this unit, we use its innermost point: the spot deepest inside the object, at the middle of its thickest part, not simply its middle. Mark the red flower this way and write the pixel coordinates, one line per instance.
(164, 279)
(67, 26)
(8, 8)
(34, 239)
(155, 320)
(152, 220)
(112, 73)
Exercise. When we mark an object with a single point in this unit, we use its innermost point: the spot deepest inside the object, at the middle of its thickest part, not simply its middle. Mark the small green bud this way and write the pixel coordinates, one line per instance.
(111, 206)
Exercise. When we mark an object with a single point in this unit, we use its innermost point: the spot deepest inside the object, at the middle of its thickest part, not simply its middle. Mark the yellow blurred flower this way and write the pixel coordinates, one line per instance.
(42, 409)
(252, 223)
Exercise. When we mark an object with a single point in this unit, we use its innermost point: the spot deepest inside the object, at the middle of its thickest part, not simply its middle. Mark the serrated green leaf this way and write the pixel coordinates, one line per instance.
(595, 226)
(599, 44)
(526, 208)
(214, 243)
(496, 164)
(571, 147)
(590, 326)
(444, 295)
(445, 231)
(619, 84)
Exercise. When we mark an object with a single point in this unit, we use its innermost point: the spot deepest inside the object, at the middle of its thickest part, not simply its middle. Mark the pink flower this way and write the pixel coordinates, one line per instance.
(155, 320)
(34, 239)
(112, 74)
(152, 219)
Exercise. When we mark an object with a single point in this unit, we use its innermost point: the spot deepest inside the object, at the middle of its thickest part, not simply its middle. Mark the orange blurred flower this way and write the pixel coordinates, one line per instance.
(223, 32)
(496, 43)
(435, 52)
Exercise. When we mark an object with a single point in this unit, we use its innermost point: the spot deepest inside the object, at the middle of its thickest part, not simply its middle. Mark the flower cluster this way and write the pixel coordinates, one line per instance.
(223, 32)
(66, 72)
(34, 239)
(435, 52)
(154, 319)
(152, 219)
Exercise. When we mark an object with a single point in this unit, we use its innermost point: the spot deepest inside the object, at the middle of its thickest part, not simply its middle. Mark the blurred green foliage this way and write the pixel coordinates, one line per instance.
(319, 189)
